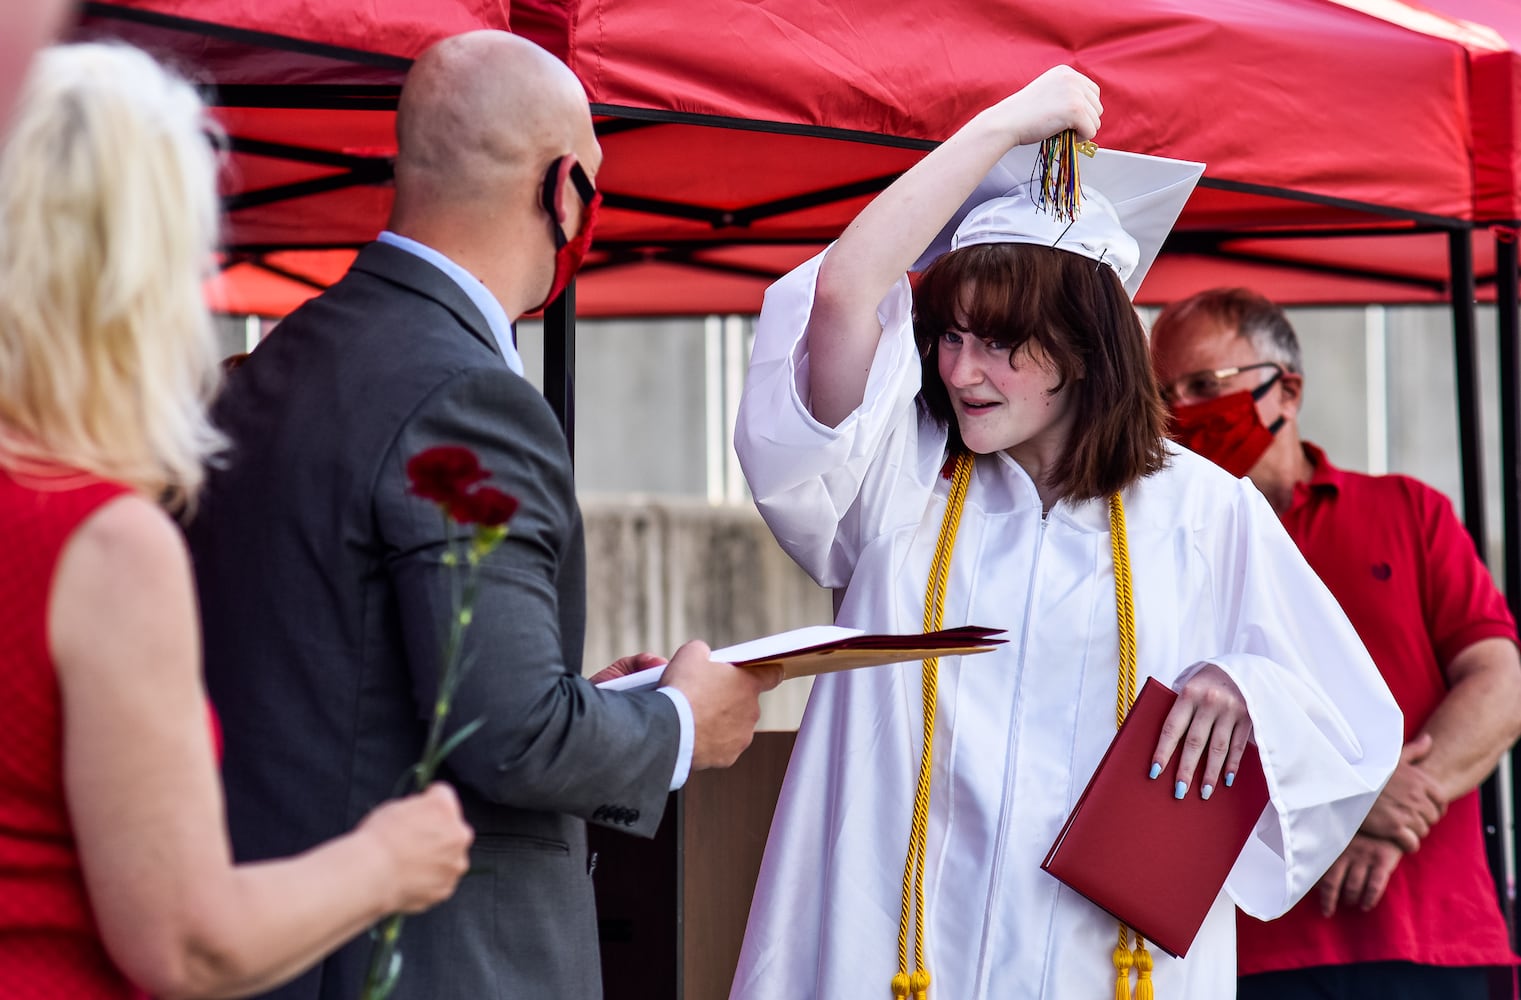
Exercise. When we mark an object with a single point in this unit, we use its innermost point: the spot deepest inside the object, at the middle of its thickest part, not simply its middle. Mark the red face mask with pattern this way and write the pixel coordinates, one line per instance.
(570, 252)
(1226, 430)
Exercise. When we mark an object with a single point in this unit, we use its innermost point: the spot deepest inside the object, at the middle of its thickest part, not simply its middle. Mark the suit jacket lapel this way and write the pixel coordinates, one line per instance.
(409, 271)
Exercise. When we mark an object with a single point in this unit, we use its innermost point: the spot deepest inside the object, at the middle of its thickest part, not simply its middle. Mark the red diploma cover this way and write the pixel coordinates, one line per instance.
(1151, 860)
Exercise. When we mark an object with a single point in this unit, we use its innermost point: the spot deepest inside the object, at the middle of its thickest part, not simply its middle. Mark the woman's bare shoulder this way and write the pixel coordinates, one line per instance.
(126, 529)
(123, 569)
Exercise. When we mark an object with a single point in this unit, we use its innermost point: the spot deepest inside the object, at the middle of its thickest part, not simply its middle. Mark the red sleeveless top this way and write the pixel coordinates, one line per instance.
(49, 944)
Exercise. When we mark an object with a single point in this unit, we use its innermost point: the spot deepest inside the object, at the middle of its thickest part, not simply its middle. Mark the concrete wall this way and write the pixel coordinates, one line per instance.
(662, 570)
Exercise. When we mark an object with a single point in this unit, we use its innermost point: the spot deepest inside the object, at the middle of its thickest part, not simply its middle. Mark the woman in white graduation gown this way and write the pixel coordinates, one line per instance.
(1031, 360)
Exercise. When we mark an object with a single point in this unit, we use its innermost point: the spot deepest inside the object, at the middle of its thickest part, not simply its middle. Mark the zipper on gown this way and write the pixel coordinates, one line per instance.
(1004, 808)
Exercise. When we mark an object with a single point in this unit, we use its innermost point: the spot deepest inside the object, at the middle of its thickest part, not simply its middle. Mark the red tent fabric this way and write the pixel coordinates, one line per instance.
(1241, 84)
(740, 138)
(1490, 31)
(400, 28)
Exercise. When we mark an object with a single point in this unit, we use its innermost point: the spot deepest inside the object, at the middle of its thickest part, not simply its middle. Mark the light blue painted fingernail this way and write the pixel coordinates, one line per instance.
(1156, 769)
(1179, 790)
(1206, 791)
(1230, 778)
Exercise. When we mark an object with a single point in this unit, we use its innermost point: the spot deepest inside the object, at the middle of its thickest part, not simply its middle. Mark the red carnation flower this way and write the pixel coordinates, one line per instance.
(450, 476)
(444, 474)
(487, 506)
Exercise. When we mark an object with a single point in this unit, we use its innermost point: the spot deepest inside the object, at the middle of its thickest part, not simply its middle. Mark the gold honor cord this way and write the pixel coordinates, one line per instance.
(1124, 696)
(916, 984)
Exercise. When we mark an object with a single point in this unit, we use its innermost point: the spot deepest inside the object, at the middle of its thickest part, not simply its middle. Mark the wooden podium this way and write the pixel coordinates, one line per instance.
(672, 910)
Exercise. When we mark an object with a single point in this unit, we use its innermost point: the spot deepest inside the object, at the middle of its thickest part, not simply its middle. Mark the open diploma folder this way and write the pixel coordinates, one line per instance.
(1151, 860)
(820, 649)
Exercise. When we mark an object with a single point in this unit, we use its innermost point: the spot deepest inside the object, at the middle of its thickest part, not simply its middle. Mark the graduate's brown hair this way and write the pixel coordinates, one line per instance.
(1076, 310)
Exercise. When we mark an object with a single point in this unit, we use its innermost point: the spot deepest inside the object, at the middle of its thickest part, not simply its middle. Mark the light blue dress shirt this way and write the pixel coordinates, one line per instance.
(478, 293)
(501, 331)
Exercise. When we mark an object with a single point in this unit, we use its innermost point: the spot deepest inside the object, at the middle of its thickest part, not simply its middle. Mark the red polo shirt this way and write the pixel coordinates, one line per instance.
(1396, 557)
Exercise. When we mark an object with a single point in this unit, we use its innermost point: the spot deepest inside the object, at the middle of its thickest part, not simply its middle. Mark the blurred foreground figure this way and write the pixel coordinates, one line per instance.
(24, 26)
(115, 874)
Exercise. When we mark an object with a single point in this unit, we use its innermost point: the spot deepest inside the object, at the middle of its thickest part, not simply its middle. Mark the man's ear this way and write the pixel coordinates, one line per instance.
(564, 190)
(551, 192)
(1292, 387)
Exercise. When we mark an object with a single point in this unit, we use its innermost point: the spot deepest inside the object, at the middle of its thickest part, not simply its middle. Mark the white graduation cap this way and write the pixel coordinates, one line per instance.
(1129, 204)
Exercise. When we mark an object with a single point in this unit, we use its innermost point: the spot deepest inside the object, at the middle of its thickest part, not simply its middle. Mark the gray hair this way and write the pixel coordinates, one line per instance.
(1254, 317)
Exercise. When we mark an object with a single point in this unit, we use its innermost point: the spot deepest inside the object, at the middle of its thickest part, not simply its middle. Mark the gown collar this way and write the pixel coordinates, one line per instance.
(1011, 488)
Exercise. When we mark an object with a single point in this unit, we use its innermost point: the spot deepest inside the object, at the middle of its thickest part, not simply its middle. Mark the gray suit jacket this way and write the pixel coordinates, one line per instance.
(324, 603)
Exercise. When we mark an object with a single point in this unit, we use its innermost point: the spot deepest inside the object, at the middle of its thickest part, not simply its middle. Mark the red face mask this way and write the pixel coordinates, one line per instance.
(1226, 430)
(569, 252)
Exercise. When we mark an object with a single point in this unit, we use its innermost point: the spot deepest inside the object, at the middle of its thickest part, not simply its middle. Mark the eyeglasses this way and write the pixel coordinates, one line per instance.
(1211, 383)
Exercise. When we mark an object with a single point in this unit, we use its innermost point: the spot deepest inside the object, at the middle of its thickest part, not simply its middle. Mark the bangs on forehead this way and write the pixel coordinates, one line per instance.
(999, 291)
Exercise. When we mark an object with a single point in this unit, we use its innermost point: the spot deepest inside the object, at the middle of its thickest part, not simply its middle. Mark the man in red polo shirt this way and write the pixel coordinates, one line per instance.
(1409, 910)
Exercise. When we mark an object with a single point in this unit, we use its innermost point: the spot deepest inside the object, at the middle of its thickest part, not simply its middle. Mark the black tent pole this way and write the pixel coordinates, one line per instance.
(1466, 356)
(1507, 293)
(560, 362)
(1471, 455)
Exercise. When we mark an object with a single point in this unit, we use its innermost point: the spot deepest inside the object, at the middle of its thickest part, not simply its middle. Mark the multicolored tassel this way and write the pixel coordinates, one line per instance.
(1058, 186)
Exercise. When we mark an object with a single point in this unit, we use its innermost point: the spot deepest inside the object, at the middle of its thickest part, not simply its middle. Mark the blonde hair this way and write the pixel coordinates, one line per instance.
(108, 215)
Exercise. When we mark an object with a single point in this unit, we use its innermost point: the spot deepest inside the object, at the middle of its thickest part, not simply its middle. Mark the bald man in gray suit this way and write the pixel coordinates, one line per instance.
(321, 582)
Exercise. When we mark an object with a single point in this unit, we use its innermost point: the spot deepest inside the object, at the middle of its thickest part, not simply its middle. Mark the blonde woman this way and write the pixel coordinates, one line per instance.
(115, 871)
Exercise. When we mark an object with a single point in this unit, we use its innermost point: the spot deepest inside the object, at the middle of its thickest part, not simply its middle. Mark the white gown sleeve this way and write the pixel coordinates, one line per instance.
(826, 491)
(1328, 729)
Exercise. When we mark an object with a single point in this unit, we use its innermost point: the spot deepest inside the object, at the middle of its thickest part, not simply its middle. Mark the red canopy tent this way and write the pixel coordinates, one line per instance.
(1355, 148)
(730, 160)
(740, 138)
(1490, 33)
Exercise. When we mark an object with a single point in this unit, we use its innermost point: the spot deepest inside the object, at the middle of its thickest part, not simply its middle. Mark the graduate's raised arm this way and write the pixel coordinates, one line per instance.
(893, 230)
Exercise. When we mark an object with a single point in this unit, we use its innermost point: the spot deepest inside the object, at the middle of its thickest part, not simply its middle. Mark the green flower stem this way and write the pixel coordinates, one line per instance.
(385, 960)
(449, 680)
